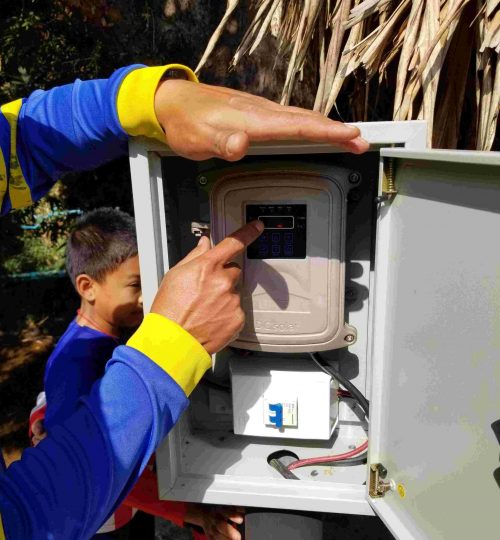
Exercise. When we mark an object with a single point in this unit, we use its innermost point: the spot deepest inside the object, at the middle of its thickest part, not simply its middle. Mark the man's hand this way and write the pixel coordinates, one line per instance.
(215, 521)
(199, 293)
(202, 121)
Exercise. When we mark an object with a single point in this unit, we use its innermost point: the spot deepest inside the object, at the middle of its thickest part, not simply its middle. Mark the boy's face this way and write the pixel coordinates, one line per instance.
(118, 298)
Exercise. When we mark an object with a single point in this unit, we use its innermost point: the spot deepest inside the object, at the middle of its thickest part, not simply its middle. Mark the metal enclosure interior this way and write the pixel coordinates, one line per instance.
(422, 291)
(201, 460)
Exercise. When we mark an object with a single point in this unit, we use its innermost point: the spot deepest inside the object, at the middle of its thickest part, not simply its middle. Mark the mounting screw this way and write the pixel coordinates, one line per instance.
(314, 473)
(350, 293)
(202, 180)
(349, 338)
(354, 178)
(354, 195)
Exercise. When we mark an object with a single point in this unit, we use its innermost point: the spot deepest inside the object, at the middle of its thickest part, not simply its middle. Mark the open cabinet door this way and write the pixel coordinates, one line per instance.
(436, 347)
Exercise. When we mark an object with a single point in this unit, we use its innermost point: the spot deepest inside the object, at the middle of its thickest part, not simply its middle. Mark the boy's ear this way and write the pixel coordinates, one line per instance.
(85, 287)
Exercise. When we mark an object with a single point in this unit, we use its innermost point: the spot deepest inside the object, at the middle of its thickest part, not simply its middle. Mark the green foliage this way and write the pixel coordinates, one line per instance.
(41, 247)
(37, 254)
(44, 43)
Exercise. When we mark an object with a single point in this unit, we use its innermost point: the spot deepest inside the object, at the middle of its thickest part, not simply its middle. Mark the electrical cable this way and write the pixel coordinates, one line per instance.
(282, 469)
(347, 458)
(346, 383)
(215, 386)
(349, 462)
(327, 459)
(275, 461)
(350, 458)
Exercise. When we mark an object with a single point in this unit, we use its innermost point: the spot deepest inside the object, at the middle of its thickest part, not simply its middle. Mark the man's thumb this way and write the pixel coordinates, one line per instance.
(231, 145)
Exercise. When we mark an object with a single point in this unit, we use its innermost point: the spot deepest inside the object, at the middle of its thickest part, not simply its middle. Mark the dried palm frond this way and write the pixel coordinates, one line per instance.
(231, 6)
(435, 43)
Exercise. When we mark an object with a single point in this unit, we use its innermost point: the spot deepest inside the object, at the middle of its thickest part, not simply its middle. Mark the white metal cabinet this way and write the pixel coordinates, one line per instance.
(428, 343)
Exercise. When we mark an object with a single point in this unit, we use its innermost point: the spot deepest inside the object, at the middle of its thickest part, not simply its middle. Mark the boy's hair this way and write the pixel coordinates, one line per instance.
(101, 240)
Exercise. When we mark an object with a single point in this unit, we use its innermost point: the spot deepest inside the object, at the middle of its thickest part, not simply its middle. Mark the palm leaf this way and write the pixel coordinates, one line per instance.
(356, 40)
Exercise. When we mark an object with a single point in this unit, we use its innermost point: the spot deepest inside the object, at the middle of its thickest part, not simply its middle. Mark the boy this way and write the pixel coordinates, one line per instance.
(103, 265)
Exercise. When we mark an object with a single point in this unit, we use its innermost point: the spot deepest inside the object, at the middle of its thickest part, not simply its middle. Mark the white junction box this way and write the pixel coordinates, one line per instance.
(387, 264)
(283, 398)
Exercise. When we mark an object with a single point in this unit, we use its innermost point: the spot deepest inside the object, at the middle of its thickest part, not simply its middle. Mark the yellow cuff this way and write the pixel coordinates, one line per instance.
(173, 349)
(19, 190)
(136, 98)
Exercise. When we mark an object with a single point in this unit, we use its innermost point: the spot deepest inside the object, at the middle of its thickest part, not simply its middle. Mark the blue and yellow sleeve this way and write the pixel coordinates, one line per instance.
(69, 484)
(72, 481)
(74, 127)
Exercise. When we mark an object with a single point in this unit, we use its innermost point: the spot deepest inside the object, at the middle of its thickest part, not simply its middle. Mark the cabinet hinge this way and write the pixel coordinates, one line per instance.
(378, 488)
(389, 181)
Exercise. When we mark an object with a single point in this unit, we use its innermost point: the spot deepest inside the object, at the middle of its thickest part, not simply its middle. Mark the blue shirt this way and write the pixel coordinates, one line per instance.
(73, 367)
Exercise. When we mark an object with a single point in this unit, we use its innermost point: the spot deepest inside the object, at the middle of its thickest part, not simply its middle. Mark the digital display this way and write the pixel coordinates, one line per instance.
(284, 236)
(277, 222)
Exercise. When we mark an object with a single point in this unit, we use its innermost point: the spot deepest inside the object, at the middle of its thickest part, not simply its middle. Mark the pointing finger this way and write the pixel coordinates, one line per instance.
(236, 243)
(202, 247)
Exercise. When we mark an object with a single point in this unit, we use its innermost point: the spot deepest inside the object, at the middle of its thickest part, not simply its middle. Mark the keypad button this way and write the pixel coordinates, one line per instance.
(275, 237)
(289, 238)
(263, 250)
(276, 249)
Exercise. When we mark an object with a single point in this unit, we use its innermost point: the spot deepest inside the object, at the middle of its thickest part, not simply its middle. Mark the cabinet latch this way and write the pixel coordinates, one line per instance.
(378, 488)
(200, 229)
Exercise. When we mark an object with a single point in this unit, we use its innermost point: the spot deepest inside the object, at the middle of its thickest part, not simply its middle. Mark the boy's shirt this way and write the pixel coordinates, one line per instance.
(78, 360)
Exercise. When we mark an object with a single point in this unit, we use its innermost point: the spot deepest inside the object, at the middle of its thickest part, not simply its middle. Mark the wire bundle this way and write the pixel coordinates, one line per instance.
(356, 456)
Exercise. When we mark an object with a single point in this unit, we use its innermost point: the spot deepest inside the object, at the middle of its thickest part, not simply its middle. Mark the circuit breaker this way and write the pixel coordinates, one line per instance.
(285, 398)
(293, 280)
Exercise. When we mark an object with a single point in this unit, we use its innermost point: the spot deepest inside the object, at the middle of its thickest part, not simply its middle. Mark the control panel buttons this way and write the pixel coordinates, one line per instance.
(285, 231)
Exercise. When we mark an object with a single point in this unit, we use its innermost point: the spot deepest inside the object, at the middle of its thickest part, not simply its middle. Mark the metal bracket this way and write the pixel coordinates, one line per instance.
(378, 488)
(200, 229)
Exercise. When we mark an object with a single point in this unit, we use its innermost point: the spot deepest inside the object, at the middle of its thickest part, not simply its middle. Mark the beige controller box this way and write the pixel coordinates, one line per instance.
(293, 278)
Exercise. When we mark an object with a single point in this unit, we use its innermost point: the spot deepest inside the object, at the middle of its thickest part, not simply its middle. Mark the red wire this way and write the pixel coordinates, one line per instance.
(326, 459)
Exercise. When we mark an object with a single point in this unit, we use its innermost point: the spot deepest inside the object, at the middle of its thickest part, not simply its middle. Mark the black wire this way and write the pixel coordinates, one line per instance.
(356, 394)
(346, 383)
(274, 460)
(215, 386)
(282, 469)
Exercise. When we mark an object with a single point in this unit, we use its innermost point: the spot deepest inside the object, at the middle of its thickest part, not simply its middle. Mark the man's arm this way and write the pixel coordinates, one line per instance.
(82, 125)
(74, 127)
(69, 484)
